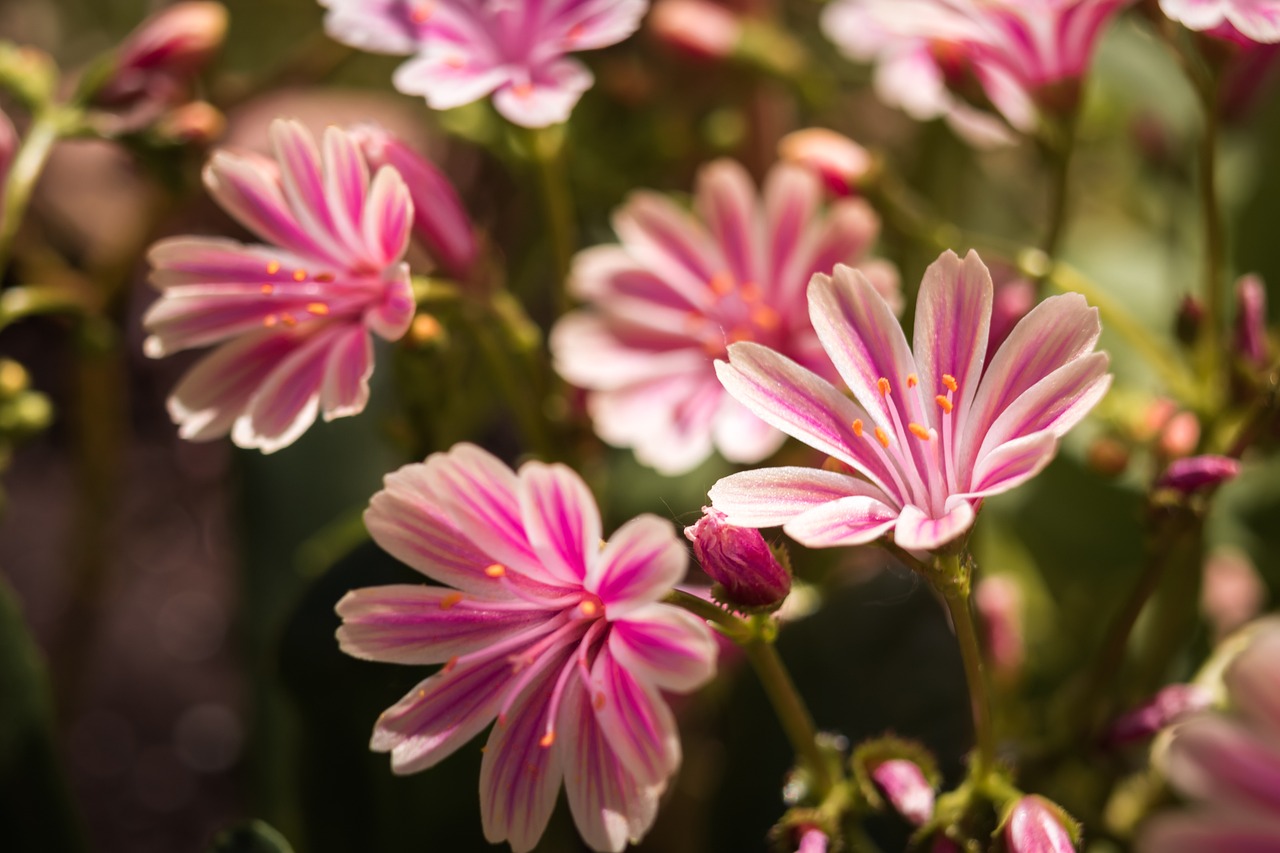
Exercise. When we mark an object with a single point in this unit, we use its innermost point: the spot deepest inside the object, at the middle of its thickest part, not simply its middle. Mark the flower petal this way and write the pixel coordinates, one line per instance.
(854, 520)
(635, 720)
(916, 531)
(726, 199)
(547, 98)
(953, 318)
(1012, 464)
(561, 520)
(642, 561)
(1054, 404)
(344, 390)
(1252, 678)
(1217, 759)
(288, 399)
(387, 219)
(667, 240)
(742, 437)
(404, 623)
(771, 497)
(1234, 831)
(664, 646)
(303, 182)
(792, 195)
(447, 78)
(666, 421)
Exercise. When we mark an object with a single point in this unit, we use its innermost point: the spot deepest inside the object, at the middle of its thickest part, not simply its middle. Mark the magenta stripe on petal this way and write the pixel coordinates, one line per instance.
(561, 520)
(664, 646)
(640, 563)
(636, 722)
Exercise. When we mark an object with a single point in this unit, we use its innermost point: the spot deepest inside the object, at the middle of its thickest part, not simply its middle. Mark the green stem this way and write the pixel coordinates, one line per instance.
(791, 711)
(515, 388)
(1060, 190)
(27, 165)
(548, 152)
(1214, 238)
(953, 577)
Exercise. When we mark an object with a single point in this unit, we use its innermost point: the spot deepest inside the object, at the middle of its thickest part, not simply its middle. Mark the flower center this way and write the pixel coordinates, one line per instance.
(738, 313)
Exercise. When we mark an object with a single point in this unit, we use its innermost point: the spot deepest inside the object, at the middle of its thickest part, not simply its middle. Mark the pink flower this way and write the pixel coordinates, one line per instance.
(293, 318)
(1020, 56)
(1250, 339)
(1227, 764)
(439, 219)
(928, 435)
(1250, 20)
(1036, 826)
(699, 28)
(842, 163)
(905, 786)
(1195, 473)
(680, 288)
(562, 639)
(739, 560)
(8, 150)
(468, 49)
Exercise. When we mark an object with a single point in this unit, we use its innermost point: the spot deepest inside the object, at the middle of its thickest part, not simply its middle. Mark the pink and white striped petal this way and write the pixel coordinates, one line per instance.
(641, 561)
(287, 401)
(771, 497)
(218, 390)
(916, 531)
(344, 390)
(726, 201)
(664, 646)
(546, 97)
(854, 520)
(561, 520)
(636, 722)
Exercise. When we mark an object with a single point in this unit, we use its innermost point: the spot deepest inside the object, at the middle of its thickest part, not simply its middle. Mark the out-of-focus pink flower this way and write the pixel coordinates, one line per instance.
(1227, 763)
(1167, 707)
(999, 602)
(1232, 592)
(1198, 472)
(739, 560)
(1015, 296)
(813, 840)
(1251, 321)
(841, 163)
(699, 28)
(1237, 20)
(293, 318)
(156, 64)
(665, 303)
(195, 123)
(1180, 435)
(1035, 826)
(906, 787)
(540, 626)
(8, 150)
(465, 50)
(439, 219)
(928, 435)
(1019, 56)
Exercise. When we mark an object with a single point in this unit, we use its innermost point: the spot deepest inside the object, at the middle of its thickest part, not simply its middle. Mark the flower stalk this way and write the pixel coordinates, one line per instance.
(47, 128)
(952, 576)
(547, 148)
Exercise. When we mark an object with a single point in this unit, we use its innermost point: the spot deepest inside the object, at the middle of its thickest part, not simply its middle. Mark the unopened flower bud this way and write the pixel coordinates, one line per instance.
(905, 786)
(166, 50)
(439, 219)
(698, 28)
(1036, 826)
(1165, 708)
(843, 164)
(812, 840)
(1189, 320)
(999, 602)
(1251, 321)
(1180, 435)
(1232, 592)
(1198, 472)
(739, 560)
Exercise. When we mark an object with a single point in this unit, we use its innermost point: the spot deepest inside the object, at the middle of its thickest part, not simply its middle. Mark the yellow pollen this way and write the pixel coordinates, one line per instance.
(496, 570)
(318, 308)
(949, 381)
(883, 385)
(268, 289)
(547, 739)
(943, 403)
(765, 317)
(882, 438)
(588, 608)
(919, 432)
(750, 292)
(450, 600)
(721, 284)
(912, 380)
(299, 275)
(288, 319)
(599, 701)
(450, 664)
(273, 268)
(857, 427)
(270, 320)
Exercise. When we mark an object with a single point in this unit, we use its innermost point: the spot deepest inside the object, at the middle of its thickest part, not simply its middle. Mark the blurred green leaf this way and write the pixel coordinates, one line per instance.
(253, 837)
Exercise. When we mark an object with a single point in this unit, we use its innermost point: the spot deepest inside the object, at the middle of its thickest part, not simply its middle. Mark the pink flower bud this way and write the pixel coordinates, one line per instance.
(842, 163)
(1014, 297)
(1198, 472)
(999, 603)
(439, 219)
(157, 61)
(1165, 708)
(1180, 435)
(812, 840)
(1251, 320)
(198, 122)
(1035, 826)
(906, 787)
(698, 28)
(739, 560)
(1232, 592)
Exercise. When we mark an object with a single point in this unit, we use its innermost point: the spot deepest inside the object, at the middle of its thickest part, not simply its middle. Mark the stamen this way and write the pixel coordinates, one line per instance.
(450, 664)
(882, 438)
(883, 385)
(318, 308)
(547, 739)
(288, 319)
(323, 278)
(268, 289)
(949, 381)
(857, 427)
(765, 317)
(496, 570)
(944, 404)
(919, 432)
(273, 268)
(912, 380)
(450, 600)
(721, 284)
(599, 700)
(750, 292)
(589, 608)
(453, 60)
(740, 334)
(299, 275)
(420, 13)
(523, 90)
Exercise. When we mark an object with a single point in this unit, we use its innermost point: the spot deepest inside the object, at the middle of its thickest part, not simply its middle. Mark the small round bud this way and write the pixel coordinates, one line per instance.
(843, 164)
(905, 786)
(739, 560)
(1198, 472)
(1036, 825)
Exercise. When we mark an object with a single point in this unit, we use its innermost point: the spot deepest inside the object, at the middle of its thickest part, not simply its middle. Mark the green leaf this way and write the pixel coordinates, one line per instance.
(255, 836)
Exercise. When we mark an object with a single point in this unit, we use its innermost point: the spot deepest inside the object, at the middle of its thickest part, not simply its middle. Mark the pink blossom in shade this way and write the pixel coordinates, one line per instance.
(1035, 826)
(664, 303)
(841, 163)
(440, 221)
(563, 640)
(905, 786)
(813, 840)
(8, 150)
(1196, 473)
(998, 600)
(701, 29)
(1232, 592)
(927, 434)
(465, 50)
(1227, 763)
(1238, 20)
(1171, 704)
(1251, 321)
(292, 317)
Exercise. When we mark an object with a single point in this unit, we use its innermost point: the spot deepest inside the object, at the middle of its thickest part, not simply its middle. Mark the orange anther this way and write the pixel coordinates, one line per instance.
(882, 438)
(450, 600)
(450, 664)
(422, 694)
(453, 60)
(495, 570)
(721, 284)
(883, 385)
(522, 90)
(547, 739)
(588, 608)
(268, 289)
(288, 319)
(750, 292)
(944, 403)
(765, 317)
(857, 427)
(949, 381)
(740, 334)
(420, 13)
(273, 268)
(270, 320)
(919, 432)
(912, 380)
(599, 701)
(299, 275)
(323, 278)
(318, 308)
